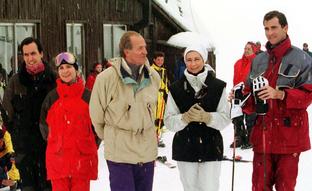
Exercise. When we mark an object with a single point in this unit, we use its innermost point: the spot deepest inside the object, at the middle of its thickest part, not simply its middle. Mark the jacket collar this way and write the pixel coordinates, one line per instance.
(28, 80)
(158, 68)
(280, 49)
(199, 80)
(68, 91)
(248, 58)
(126, 71)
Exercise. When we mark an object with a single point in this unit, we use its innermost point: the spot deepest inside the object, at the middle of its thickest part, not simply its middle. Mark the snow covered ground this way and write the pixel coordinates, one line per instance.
(168, 179)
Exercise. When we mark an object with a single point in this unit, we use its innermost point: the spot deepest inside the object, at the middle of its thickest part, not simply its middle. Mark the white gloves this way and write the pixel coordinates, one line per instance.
(196, 114)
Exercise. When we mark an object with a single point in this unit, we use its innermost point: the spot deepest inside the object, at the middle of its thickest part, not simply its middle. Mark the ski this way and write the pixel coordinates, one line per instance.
(164, 160)
(237, 159)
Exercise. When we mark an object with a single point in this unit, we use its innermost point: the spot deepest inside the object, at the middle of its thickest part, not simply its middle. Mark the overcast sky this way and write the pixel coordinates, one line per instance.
(230, 24)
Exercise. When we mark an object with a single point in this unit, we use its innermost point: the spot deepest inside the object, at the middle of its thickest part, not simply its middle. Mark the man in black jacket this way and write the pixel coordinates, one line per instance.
(22, 101)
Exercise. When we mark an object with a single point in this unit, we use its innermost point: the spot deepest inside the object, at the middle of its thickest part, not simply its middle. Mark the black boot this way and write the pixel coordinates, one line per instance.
(250, 122)
(246, 143)
(161, 143)
(246, 146)
(14, 187)
(238, 143)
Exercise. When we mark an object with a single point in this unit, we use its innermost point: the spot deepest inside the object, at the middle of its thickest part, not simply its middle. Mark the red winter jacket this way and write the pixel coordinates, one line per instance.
(90, 80)
(242, 68)
(241, 72)
(71, 149)
(285, 127)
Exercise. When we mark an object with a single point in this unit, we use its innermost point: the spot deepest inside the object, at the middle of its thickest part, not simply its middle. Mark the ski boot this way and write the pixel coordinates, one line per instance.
(161, 143)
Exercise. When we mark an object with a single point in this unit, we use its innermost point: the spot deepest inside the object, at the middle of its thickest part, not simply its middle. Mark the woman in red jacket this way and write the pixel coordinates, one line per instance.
(242, 66)
(71, 155)
(241, 72)
(97, 68)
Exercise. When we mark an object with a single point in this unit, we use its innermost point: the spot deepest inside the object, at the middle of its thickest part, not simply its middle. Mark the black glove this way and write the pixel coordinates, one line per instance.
(238, 101)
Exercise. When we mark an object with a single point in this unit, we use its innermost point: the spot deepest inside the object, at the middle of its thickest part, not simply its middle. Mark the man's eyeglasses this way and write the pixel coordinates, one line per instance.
(64, 58)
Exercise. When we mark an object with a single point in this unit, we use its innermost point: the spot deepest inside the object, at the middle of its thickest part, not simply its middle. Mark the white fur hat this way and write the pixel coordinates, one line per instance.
(198, 48)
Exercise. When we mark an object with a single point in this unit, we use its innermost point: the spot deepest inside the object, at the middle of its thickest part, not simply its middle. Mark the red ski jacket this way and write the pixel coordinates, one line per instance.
(71, 149)
(285, 127)
(242, 68)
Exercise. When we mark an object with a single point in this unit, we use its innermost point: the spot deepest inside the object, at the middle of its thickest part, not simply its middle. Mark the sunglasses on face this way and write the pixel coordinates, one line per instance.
(64, 58)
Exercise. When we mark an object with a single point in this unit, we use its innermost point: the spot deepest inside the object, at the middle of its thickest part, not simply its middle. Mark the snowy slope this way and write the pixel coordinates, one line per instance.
(168, 179)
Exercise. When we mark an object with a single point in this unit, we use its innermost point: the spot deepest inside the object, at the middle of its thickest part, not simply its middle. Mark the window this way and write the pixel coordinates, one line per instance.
(11, 36)
(112, 35)
(75, 43)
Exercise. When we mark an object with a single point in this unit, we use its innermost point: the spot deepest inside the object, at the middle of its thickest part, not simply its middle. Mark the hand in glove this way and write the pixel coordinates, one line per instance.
(189, 116)
(238, 100)
(202, 115)
(196, 113)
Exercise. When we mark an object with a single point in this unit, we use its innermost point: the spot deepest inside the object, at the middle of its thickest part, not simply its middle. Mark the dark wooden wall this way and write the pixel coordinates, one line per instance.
(162, 28)
(52, 16)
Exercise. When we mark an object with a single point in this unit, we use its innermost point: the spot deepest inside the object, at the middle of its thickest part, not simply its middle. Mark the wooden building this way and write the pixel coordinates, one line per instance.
(91, 29)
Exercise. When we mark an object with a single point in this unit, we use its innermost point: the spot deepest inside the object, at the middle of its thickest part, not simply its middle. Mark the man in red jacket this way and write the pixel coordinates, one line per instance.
(281, 131)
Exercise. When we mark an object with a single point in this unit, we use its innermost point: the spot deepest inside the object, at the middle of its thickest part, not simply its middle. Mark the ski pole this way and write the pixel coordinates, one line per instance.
(233, 162)
(264, 153)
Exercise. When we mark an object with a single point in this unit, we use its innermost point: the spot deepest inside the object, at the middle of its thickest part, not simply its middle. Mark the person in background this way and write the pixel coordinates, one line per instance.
(96, 69)
(9, 174)
(158, 65)
(65, 123)
(305, 47)
(179, 68)
(4, 76)
(197, 109)
(281, 131)
(3, 84)
(258, 45)
(19, 62)
(22, 101)
(122, 107)
(3, 81)
(106, 64)
(12, 64)
(241, 72)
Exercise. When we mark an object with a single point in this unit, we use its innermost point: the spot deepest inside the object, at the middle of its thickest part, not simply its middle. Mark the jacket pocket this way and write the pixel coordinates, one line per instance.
(292, 125)
(288, 76)
(86, 162)
(151, 112)
(54, 145)
(86, 146)
(149, 119)
(256, 134)
(289, 135)
(19, 103)
(117, 111)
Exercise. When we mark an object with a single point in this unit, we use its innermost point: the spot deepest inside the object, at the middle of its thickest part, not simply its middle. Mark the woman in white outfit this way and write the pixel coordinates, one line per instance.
(197, 109)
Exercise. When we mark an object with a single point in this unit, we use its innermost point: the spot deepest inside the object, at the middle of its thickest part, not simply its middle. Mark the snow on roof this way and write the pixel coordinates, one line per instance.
(179, 10)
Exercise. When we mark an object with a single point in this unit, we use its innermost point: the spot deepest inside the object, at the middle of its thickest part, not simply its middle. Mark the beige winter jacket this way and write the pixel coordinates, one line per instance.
(122, 113)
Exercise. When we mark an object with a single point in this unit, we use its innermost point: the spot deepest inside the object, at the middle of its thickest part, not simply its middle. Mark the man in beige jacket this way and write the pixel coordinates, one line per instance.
(122, 109)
